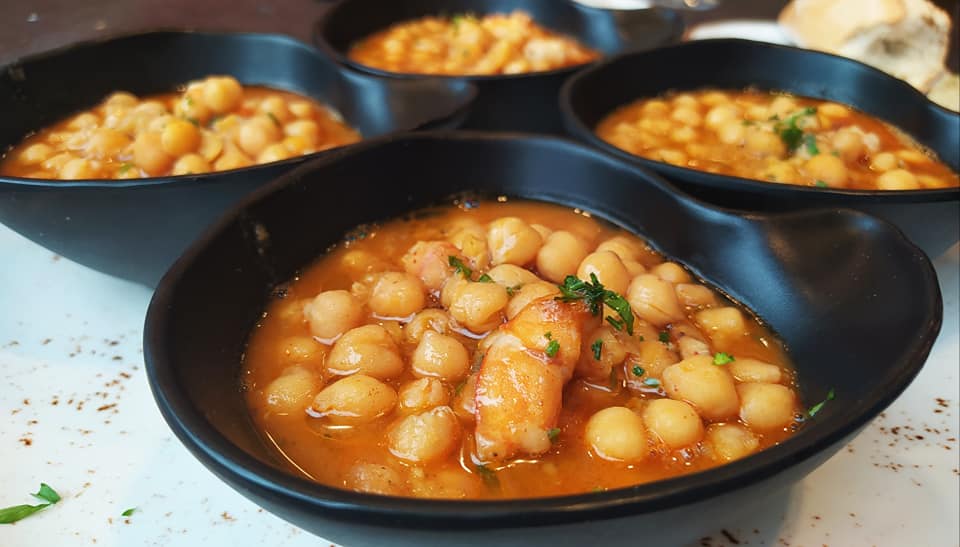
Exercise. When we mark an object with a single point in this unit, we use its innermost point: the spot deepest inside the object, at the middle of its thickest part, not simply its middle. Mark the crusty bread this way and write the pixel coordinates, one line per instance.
(946, 91)
(907, 38)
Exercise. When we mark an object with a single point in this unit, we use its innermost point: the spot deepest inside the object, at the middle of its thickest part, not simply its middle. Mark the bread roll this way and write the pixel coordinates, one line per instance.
(906, 38)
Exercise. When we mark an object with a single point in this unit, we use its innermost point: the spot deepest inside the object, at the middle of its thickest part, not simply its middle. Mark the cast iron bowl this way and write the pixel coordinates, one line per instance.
(857, 304)
(931, 218)
(135, 229)
(519, 102)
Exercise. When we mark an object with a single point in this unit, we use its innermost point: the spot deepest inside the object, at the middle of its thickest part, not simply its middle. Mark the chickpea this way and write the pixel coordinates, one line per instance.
(884, 161)
(616, 433)
(78, 168)
(301, 109)
(35, 153)
(714, 98)
(232, 158)
(692, 295)
(368, 350)
(105, 142)
(608, 268)
(671, 156)
(764, 143)
(472, 242)
(211, 145)
(159, 123)
(722, 325)
(450, 288)
(256, 134)
(297, 145)
(332, 313)
(301, 349)
(397, 294)
(728, 442)
(308, 130)
(671, 272)
(512, 241)
(709, 388)
(422, 394)
(542, 230)
(676, 423)
(274, 152)
(732, 132)
(527, 294)
(191, 106)
(86, 120)
(179, 137)
(849, 144)
(440, 356)
(291, 391)
(783, 106)
(448, 484)
(752, 370)
(929, 181)
(376, 479)
(766, 407)
(913, 156)
(684, 134)
(654, 300)
(827, 168)
(624, 247)
(653, 357)
(655, 108)
(477, 306)
(721, 115)
(354, 400)
(275, 107)
(686, 100)
(897, 179)
(148, 154)
(430, 261)
(427, 320)
(56, 162)
(687, 116)
(833, 110)
(612, 353)
(512, 276)
(222, 94)
(425, 437)
(191, 164)
(121, 99)
(560, 256)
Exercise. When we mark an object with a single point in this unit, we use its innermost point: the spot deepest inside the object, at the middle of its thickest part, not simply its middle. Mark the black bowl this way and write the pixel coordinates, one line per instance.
(520, 102)
(931, 218)
(856, 303)
(136, 228)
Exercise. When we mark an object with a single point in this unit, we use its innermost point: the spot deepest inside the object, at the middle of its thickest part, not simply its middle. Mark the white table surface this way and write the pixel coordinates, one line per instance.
(76, 412)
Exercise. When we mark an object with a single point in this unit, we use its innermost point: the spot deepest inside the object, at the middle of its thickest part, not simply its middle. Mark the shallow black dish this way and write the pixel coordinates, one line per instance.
(826, 281)
(931, 218)
(136, 228)
(521, 102)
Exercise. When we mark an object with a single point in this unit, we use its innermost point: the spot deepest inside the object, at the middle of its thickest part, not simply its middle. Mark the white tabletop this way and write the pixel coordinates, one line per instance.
(76, 413)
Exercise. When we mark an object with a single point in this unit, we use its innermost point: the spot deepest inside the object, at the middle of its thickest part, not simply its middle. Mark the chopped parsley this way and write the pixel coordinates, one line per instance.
(810, 142)
(596, 296)
(640, 337)
(652, 382)
(129, 512)
(124, 167)
(489, 477)
(637, 370)
(664, 337)
(459, 389)
(596, 347)
(552, 346)
(790, 133)
(485, 279)
(748, 122)
(720, 358)
(820, 184)
(614, 322)
(194, 121)
(513, 290)
(9, 515)
(273, 118)
(819, 406)
(459, 267)
(553, 434)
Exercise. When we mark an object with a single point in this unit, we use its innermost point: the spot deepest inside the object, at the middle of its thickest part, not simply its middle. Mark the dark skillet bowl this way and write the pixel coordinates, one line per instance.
(857, 304)
(514, 102)
(135, 229)
(931, 218)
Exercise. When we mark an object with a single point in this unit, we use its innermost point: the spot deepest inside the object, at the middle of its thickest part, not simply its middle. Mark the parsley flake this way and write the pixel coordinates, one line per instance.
(664, 337)
(9, 515)
(790, 133)
(720, 358)
(637, 370)
(274, 119)
(596, 347)
(129, 512)
(553, 347)
(124, 167)
(489, 477)
(485, 279)
(553, 434)
(614, 322)
(820, 184)
(459, 267)
(513, 290)
(810, 142)
(817, 407)
(596, 296)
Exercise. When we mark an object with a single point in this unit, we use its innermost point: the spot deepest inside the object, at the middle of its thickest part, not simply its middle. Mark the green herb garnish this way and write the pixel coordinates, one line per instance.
(553, 434)
(128, 512)
(652, 382)
(817, 407)
(614, 322)
(640, 337)
(194, 121)
(820, 184)
(513, 290)
(273, 118)
(748, 122)
(595, 295)
(720, 358)
(457, 390)
(124, 167)
(664, 337)
(637, 370)
(489, 477)
(790, 134)
(459, 267)
(9, 515)
(485, 279)
(552, 346)
(596, 347)
(810, 142)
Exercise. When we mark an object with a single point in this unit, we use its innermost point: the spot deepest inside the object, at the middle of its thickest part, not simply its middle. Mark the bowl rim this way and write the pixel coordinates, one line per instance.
(230, 462)
(469, 98)
(685, 175)
(320, 40)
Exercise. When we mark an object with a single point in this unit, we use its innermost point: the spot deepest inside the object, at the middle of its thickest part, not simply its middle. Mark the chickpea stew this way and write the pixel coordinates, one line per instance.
(509, 350)
(774, 137)
(470, 45)
(211, 125)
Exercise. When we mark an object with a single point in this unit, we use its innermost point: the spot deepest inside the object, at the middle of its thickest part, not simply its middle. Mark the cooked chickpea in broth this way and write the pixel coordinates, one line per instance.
(774, 137)
(214, 124)
(470, 45)
(481, 351)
